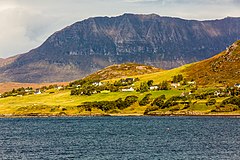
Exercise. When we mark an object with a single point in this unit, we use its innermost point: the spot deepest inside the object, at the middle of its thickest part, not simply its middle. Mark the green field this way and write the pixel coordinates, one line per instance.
(62, 99)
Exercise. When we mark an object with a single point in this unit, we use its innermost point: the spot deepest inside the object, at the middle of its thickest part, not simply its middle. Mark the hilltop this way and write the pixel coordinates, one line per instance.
(95, 43)
(123, 71)
(223, 68)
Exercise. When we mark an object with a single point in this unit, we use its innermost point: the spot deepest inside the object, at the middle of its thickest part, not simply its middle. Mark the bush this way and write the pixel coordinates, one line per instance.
(129, 100)
(211, 102)
(143, 87)
(226, 108)
(164, 85)
(159, 101)
(150, 108)
(231, 100)
(146, 100)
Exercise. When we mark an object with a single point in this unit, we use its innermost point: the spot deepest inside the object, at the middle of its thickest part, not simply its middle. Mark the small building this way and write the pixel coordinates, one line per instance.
(60, 87)
(78, 86)
(237, 85)
(128, 89)
(97, 83)
(38, 91)
(175, 85)
(217, 93)
(154, 88)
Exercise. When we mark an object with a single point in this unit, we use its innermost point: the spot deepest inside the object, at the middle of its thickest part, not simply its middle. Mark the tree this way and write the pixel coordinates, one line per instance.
(130, 100)
(143, 87)
(149, 83)
(177, 78)
(159, 101)
(146, 100)
(164, 85)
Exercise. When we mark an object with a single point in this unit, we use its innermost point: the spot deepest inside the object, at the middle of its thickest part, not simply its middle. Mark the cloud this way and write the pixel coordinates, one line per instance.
(188, 2)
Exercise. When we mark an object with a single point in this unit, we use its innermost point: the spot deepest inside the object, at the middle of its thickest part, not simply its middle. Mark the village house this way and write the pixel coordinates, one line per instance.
(175, 85)
(237, 85)
(97, 83)
(60, 87)
(128, 89)
(37, 91)
(217, 93)
(153, 87)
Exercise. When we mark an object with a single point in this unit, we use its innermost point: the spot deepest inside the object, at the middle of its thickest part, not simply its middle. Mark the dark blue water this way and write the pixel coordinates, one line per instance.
(94, 138)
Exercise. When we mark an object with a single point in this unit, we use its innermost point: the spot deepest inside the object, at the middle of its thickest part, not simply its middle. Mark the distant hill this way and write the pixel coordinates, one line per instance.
(223, 68)
(6, 87)
(122, 71)
(95, 43)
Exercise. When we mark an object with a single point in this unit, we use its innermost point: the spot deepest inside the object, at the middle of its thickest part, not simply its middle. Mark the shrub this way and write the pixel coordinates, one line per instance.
(211, 102)
(231, 100)
(159, 101)
(150, 108)
(146, 100)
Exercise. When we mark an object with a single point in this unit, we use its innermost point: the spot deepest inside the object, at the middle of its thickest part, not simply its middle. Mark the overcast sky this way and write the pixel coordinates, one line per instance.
(25, 24)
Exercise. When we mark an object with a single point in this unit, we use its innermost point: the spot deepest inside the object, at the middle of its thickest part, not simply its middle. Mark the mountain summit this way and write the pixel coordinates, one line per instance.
(95, 43)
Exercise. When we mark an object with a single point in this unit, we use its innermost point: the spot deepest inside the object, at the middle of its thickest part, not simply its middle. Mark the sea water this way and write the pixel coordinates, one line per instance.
(127, 138)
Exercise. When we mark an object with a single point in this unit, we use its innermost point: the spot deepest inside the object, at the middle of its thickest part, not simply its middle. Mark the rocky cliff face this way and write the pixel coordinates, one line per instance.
(95, 43)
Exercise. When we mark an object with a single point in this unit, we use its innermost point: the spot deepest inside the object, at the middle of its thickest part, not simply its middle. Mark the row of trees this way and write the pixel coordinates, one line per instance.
(20, 91)
(109, 105)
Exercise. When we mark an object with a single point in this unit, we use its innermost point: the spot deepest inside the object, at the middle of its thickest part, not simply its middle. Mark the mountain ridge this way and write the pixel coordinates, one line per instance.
(94, 43)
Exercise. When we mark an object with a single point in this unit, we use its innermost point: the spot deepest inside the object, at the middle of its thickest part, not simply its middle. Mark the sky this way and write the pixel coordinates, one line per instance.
(26, 24)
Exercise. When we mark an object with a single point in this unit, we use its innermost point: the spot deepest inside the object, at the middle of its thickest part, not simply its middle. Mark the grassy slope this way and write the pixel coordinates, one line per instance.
(62, 99)
(122, 71)
(223, 68)
(156, 77)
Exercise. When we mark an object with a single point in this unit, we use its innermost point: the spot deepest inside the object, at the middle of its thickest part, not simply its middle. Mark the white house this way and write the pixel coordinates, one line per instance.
(217, 93)
(38, 91)
(175, 85)
(128, 89)
(97, 83)
(153, 87)
(237, 85)
(59, 87)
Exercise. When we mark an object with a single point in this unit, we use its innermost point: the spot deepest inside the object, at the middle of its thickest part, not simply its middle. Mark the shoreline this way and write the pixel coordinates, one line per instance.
(119, 115)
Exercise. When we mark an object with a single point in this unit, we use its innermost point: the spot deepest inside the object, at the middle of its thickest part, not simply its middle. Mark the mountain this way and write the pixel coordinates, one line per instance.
(123, 71)
(94, 43)
(223, 68)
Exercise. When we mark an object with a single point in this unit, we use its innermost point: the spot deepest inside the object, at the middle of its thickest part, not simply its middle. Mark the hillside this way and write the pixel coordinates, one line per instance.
(89, 98)
(5, 87)
(223, 68)
(123, 71)
(95, 43)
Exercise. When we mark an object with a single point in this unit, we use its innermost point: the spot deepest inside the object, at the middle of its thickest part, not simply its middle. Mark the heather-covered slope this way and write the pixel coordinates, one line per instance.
(95, 43)
(123, 71)
(223, 68)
